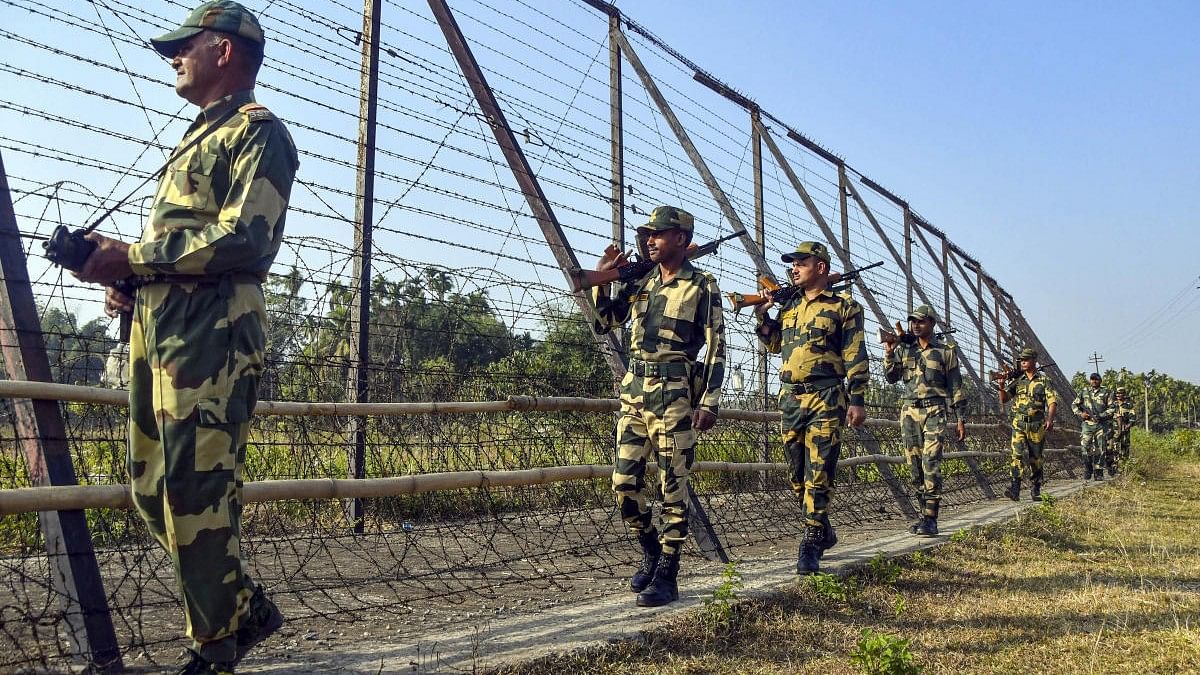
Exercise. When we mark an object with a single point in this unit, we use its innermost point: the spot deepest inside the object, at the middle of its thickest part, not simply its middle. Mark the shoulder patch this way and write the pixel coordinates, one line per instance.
(256, 112)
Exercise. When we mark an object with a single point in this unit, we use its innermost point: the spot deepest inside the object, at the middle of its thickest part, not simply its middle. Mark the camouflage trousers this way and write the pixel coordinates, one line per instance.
(812, 442)
(1121, 443)
(1093, 441)
(1028, 444)
(195, 361)
(655, 418)
(923, 432)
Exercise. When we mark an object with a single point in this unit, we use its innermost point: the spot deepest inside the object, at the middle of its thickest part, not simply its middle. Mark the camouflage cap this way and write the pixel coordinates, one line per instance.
(1122, 390)
(807, 248)
(1028, 353)
(921, 313)
(1094, 376)
(669, 218)
(224, 16)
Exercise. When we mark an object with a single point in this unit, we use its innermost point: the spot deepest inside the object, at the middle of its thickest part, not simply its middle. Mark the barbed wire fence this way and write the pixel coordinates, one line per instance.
(466, 302)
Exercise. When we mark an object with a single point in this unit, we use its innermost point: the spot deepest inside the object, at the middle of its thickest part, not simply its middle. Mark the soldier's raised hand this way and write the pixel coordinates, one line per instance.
(612, 258)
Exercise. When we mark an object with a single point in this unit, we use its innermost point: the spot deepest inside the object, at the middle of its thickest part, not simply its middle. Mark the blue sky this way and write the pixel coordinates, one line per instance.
(1057, 142)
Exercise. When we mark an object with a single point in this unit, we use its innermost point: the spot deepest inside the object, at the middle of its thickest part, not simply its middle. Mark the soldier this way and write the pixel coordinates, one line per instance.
(1096, 405)
(825, 373)
(196, 349)
(1034, 405)
(932, 390)
(1124, 422)
(667, 395)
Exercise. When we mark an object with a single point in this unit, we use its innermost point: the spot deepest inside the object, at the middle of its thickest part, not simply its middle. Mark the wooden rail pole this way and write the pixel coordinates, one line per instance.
(74, 573)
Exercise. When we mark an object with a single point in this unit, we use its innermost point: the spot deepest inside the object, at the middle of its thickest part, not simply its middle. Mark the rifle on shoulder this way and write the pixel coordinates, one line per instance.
(638, 266)
(773, 292)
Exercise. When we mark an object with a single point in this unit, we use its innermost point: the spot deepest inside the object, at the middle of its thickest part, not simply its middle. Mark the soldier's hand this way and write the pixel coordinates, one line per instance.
(961, 428)
(108, 263)
(612, 258)
(116, 302)
(703, 420)
(1086, 417)
(761, 310)
(1049, 424)
(856, 415)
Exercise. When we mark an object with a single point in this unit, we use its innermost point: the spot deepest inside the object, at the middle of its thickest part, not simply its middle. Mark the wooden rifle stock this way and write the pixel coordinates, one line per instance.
(636, 269)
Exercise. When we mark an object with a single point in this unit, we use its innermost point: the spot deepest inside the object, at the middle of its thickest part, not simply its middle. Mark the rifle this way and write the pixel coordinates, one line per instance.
(1012, 372)
(887, 337)
(773, 292)
(638, 266)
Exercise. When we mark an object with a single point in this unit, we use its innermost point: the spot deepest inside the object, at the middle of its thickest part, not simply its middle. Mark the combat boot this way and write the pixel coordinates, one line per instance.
(261, 619)
(928, 527)
(651, 551)
(664, 588)
(1013, 491)
(917, 525)
(1035, 492)
(808, 561)
(828, 536)
(1087, 472)
(198, 665)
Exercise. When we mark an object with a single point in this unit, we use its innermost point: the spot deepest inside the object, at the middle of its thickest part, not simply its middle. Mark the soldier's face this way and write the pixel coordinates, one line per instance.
(1095, 383)
(807, 270)
(666, 244)
(198, 67)
(921, 328)
(1027, 365)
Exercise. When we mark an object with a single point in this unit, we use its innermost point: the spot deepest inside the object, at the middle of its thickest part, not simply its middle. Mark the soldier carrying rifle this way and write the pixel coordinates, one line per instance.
(1034, 405)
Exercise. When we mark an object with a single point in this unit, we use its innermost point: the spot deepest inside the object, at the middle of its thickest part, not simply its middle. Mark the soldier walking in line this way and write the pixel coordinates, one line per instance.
(933, 390)
(1034, 405)
(1097, 406)
(198, 334)
(1124, 422)
(824, 371)
(667, 395)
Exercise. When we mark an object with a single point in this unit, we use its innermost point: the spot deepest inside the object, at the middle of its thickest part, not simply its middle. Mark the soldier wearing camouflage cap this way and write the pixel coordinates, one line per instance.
(1033, 409)
(1096, 405)
(824, 374)
(197, 342)
(933, 390)
(1123, 420)
(668, 394)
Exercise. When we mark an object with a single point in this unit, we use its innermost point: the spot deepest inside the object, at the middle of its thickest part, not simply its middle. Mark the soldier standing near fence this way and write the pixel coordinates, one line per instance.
(196, 349)
(667, 395)
(933, 390)
(1034, 405)
(1124, 422)
(1097, 406)
(819, 334)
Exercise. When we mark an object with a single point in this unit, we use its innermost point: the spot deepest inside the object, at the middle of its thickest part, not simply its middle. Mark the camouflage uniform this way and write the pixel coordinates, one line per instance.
(1032, 398)
(1124, 422)
(1100, 404)
(932, 390)
(671, 322)
(196, 353)
(821, 342)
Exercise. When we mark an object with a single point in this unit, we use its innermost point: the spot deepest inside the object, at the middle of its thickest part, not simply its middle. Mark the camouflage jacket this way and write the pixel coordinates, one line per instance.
(1031, 399)
(928, 373)
(820, 339)
(1125, 412)
(671, 322)
(220, 206)
(1099, 403)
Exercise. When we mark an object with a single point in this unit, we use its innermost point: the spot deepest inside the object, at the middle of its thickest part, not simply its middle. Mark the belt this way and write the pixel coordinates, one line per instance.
(232, 277)
(813, 386)
(659, 369)
(926, 402)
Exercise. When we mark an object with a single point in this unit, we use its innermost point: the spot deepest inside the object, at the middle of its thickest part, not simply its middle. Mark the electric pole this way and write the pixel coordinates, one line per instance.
(1096, 359)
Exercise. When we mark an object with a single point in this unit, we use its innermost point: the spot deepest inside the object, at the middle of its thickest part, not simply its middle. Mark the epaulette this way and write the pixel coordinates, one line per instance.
(256, 112)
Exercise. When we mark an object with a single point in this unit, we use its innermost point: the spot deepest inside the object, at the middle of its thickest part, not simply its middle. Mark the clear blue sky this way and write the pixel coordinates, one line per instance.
(1057, 142)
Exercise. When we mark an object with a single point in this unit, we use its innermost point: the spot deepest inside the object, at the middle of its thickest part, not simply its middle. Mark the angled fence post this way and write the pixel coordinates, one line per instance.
(74, 573)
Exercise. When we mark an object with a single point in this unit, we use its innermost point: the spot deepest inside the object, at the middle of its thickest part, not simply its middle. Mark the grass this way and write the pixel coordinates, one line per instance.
(1105, 581)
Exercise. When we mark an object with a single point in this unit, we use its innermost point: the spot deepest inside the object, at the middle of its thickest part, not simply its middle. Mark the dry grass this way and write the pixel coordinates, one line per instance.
(1104, 582)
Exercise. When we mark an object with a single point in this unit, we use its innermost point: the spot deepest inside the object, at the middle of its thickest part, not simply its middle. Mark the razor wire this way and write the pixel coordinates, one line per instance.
(466, 304)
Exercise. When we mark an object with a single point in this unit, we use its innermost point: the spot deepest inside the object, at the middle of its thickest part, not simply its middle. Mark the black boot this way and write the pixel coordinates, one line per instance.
(1013, 491)
(1035, 492)
(651, 550)
(828, 536)
(809, 559)
(1087, 471)
(664, 588)
(928, 527)
(917, 525)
